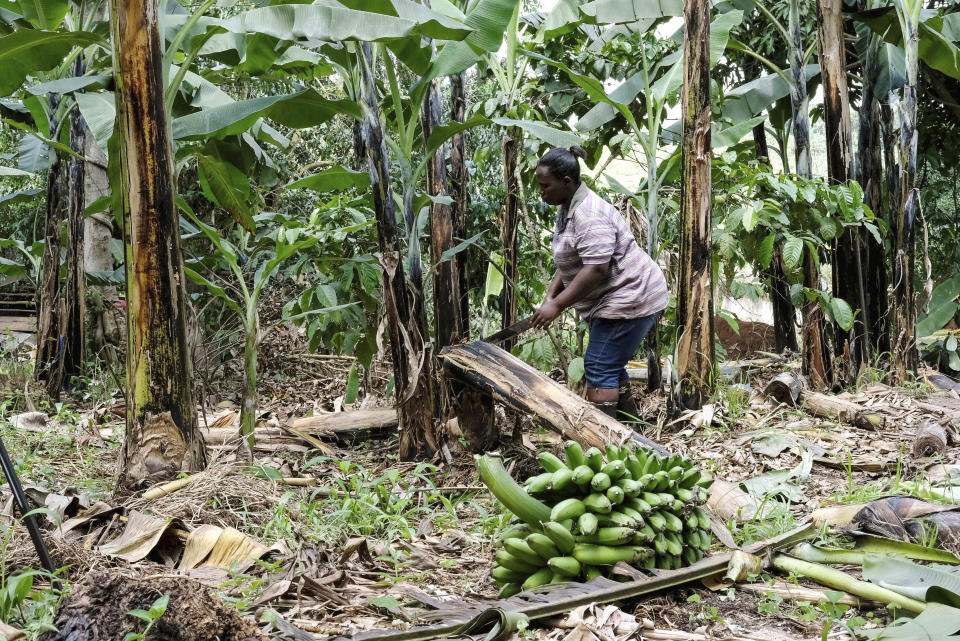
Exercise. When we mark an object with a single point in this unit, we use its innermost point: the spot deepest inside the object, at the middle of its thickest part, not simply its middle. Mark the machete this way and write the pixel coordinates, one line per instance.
(510, 332)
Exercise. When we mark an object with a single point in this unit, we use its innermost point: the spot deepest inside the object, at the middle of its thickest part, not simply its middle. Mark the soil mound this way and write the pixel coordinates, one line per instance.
(97, 607)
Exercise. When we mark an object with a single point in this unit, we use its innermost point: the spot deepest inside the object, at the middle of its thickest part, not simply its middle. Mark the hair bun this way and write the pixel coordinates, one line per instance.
(577, 151)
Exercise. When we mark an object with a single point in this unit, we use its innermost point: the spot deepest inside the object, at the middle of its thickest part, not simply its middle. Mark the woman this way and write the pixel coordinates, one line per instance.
(603, 274)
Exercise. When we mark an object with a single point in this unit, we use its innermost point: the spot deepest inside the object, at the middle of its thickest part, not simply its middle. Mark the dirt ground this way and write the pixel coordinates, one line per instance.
(373, 543)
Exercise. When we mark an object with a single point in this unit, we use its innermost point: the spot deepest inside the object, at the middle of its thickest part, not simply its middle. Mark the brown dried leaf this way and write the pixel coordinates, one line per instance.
(142, 534)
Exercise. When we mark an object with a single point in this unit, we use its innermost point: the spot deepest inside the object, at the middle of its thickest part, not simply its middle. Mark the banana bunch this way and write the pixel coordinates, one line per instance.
(583, 515)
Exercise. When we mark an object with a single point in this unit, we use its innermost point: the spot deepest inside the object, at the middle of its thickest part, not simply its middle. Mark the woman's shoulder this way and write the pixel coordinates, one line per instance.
(594, 204)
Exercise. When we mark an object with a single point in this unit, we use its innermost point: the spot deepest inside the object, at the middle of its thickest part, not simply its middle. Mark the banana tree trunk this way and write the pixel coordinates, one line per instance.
(459, 179)
(816, 356)
(74, 299)
(847, 268)
(48, 290)
(509, 222)
(249, 400)
(162, 438)
(870, 177)
(448, 326)
(652, 341)
(413, 386)
(905, 357)
(695, 348)
(473, 409)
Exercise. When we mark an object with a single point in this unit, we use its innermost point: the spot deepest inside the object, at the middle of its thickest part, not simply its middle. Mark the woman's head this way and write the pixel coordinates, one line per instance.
(558, 174)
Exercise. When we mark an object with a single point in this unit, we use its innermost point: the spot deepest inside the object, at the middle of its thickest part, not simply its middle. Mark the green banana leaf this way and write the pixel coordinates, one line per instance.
(27, 51)
(44, 14)
(921, 582)
(335, 178)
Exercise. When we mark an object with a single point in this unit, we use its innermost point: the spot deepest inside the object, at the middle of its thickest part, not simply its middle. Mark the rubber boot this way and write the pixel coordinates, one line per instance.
(626, 405)
(608, 407)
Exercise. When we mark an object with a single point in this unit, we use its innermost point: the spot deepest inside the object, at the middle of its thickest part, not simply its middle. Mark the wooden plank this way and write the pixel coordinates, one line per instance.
(510, 380)
(19, 323)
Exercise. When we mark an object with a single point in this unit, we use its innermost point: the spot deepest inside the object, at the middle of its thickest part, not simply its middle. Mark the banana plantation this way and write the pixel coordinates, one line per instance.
(546, 320)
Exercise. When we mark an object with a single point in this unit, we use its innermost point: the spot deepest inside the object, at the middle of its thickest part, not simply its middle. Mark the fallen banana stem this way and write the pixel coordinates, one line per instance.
(168, 488)
(813, 554)
(839, 580)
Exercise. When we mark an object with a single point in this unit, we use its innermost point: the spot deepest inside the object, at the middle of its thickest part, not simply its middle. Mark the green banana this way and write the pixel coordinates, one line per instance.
(508, 590)
(615, 494)
(506, 575)
(543, 545)
(598, 503)
(538, 578)
(689, 478)
(614, 469)
(594, 458)
(538, 484)
(587, 523)
(561, 536)
(561, 479)
(507, 560)
(582, 475)
(567, 509)
(549, 462)
(565, 565)
(614, 535)
(601, 481)
(574, 454)
(521, 550)
(591, 554)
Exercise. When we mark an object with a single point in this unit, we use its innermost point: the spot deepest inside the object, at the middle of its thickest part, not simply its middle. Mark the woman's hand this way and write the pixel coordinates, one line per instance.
(546, 313)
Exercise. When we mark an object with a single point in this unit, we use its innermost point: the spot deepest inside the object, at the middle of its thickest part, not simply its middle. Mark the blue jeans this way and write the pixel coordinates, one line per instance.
(613, 342)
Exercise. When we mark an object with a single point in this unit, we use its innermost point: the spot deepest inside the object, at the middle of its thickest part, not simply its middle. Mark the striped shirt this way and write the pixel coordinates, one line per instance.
(593, 232)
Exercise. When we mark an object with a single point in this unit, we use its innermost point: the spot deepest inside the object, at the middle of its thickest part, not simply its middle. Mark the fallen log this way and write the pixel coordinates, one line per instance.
(931, 439)
(370, 422)
(831, 407)
(791, 388)
(340, 425)
(513, 382)
(785, 388)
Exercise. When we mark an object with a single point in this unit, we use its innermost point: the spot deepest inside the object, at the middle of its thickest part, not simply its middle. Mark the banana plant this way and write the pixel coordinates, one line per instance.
(251, 262)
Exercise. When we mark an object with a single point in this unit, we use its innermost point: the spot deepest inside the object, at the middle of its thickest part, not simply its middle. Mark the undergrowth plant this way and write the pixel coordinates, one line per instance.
(150, 616)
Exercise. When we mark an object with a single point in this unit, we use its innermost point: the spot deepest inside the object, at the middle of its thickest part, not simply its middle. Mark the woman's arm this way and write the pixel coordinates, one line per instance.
(586, 281)
(555, 286)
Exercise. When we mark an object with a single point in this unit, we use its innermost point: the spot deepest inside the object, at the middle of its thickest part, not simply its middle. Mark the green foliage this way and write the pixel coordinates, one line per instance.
(150, 617)
(761, 210)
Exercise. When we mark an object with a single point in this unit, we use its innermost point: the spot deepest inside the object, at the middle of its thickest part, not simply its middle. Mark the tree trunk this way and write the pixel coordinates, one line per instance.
(474, 411)
(816, 356)
(74, 300)
(459, 179)
(509, 222)
(448, 325)
(162, 438)
(695, 296)
(359, 150)
(751, 71)
(411, 358)
(847, 268)
(905, 358)
(105, 316)
(870, 177)
(249, 400)
(48, 292)
(784, 313)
